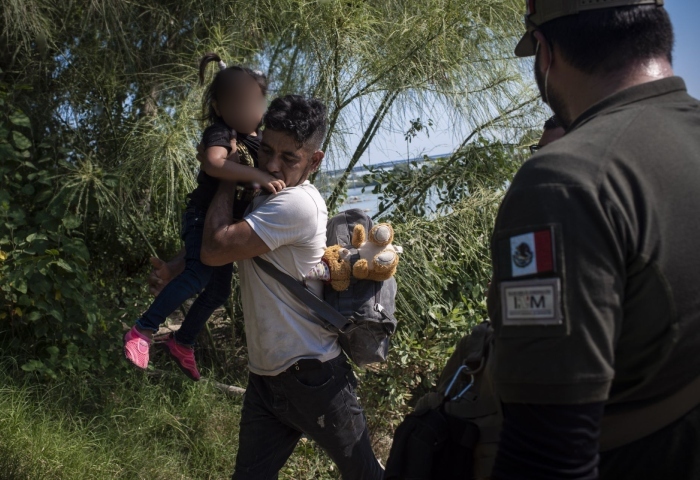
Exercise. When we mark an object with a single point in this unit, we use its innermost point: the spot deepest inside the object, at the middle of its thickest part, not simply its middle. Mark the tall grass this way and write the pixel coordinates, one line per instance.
(143, 428)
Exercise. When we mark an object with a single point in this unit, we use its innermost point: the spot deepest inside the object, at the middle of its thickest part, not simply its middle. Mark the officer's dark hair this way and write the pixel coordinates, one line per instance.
(552, 122)
(221, 80)
(302, 118)
(607, 40)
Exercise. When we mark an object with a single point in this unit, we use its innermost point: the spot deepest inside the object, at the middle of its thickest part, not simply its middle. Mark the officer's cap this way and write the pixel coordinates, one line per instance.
(539, 12)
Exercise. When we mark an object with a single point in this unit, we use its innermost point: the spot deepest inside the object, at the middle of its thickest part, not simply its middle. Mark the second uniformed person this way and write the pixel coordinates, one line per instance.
(596, 255)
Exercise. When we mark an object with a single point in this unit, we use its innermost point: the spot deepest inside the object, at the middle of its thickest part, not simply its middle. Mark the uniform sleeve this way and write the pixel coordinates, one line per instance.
(556, 296)
(287, 218)
(217, 135)
(549, 441)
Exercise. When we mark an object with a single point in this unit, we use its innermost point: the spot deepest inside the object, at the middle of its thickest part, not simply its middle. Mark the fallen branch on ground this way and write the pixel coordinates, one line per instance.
(228, 389)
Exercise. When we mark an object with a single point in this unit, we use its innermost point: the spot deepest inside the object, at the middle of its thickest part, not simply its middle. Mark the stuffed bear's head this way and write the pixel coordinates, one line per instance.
(378, 257)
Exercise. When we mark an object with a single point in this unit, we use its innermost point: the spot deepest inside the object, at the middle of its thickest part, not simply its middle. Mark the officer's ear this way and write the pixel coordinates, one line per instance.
(544, 50)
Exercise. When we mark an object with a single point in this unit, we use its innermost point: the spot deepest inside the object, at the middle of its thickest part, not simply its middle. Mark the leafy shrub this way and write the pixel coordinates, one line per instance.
(48, 314)
(436, 186)
(443, 214)
(442, 282)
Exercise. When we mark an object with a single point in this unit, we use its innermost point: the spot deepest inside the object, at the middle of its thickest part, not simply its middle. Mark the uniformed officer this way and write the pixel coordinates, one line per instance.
(596, 256)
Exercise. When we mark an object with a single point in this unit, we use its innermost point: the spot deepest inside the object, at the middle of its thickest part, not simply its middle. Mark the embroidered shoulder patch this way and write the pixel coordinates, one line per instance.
(531, 302)
(529, 253)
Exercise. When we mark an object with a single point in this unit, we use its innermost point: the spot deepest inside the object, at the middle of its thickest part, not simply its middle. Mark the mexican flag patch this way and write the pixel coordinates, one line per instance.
(529, 253)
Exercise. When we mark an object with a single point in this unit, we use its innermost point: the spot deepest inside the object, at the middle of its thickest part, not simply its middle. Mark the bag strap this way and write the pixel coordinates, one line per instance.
(619, 429)
(322, 308)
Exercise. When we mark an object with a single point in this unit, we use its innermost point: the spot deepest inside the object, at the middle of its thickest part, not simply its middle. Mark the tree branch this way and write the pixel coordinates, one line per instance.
(427, 185)
(367, 137)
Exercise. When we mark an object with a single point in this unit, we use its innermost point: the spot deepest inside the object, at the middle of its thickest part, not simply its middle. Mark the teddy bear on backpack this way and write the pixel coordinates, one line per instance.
(377, 261)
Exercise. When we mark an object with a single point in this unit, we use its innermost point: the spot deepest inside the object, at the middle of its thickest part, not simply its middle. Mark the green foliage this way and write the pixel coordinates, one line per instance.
(442, 281)
(436, 186)
(112, 99)
(115, 85)
(99, 120)
(48, 313)
(443, 213)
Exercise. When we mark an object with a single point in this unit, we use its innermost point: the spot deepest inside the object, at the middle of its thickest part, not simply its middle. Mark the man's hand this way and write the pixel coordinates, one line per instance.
(163, 272)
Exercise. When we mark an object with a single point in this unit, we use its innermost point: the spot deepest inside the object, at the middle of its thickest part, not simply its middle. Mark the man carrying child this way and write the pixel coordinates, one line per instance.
(300, 381)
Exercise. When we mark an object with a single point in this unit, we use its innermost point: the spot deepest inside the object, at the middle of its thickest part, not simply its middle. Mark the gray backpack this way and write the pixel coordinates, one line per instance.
(362, 315)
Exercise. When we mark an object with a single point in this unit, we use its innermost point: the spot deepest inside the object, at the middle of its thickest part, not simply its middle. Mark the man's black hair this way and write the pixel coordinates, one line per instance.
(302, 118)
(607, 40)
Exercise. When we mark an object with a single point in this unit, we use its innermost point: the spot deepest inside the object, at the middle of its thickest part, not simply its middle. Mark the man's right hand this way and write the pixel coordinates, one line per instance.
(163, 272)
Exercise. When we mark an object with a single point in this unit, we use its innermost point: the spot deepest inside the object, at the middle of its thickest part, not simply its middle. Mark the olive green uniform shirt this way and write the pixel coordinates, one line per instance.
(596, 256)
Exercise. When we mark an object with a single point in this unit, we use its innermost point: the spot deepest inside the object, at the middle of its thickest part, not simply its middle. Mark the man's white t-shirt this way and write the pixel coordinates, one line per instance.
(280, 328)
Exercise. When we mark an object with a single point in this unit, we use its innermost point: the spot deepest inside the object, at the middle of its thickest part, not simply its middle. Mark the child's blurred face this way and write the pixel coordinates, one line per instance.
(241, 103)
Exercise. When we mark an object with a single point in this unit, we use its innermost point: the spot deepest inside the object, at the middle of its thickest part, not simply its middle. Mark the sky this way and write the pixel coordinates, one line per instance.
(391, 146)
(685, 15)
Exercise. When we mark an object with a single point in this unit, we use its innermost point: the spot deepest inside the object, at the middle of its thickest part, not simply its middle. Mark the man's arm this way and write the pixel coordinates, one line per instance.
(163, 272)
(556, 307)
(224, 241)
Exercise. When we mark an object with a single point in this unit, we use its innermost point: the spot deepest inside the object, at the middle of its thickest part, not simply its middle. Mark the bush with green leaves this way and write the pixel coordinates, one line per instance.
(442, 282)
(443, 213)
(49, 318)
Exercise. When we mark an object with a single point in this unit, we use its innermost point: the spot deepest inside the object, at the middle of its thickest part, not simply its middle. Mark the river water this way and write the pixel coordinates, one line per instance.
(367, 202)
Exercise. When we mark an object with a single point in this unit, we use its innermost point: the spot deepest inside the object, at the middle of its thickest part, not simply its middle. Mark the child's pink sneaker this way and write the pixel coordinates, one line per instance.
(183, 356)
(136, 346)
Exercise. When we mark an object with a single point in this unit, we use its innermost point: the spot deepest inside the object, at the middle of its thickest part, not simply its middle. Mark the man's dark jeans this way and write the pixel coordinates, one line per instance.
(216, 282)
(319, 400)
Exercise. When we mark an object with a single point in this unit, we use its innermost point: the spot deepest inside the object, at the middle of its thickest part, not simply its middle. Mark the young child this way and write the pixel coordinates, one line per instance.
(233, 105)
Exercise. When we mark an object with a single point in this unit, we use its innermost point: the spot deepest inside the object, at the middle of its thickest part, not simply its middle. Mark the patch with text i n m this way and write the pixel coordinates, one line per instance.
(531, 302)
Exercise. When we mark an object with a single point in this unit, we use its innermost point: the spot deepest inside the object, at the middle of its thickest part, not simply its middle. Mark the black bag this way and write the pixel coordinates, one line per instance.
(432, 445)
(453, 433)
(362, 315)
